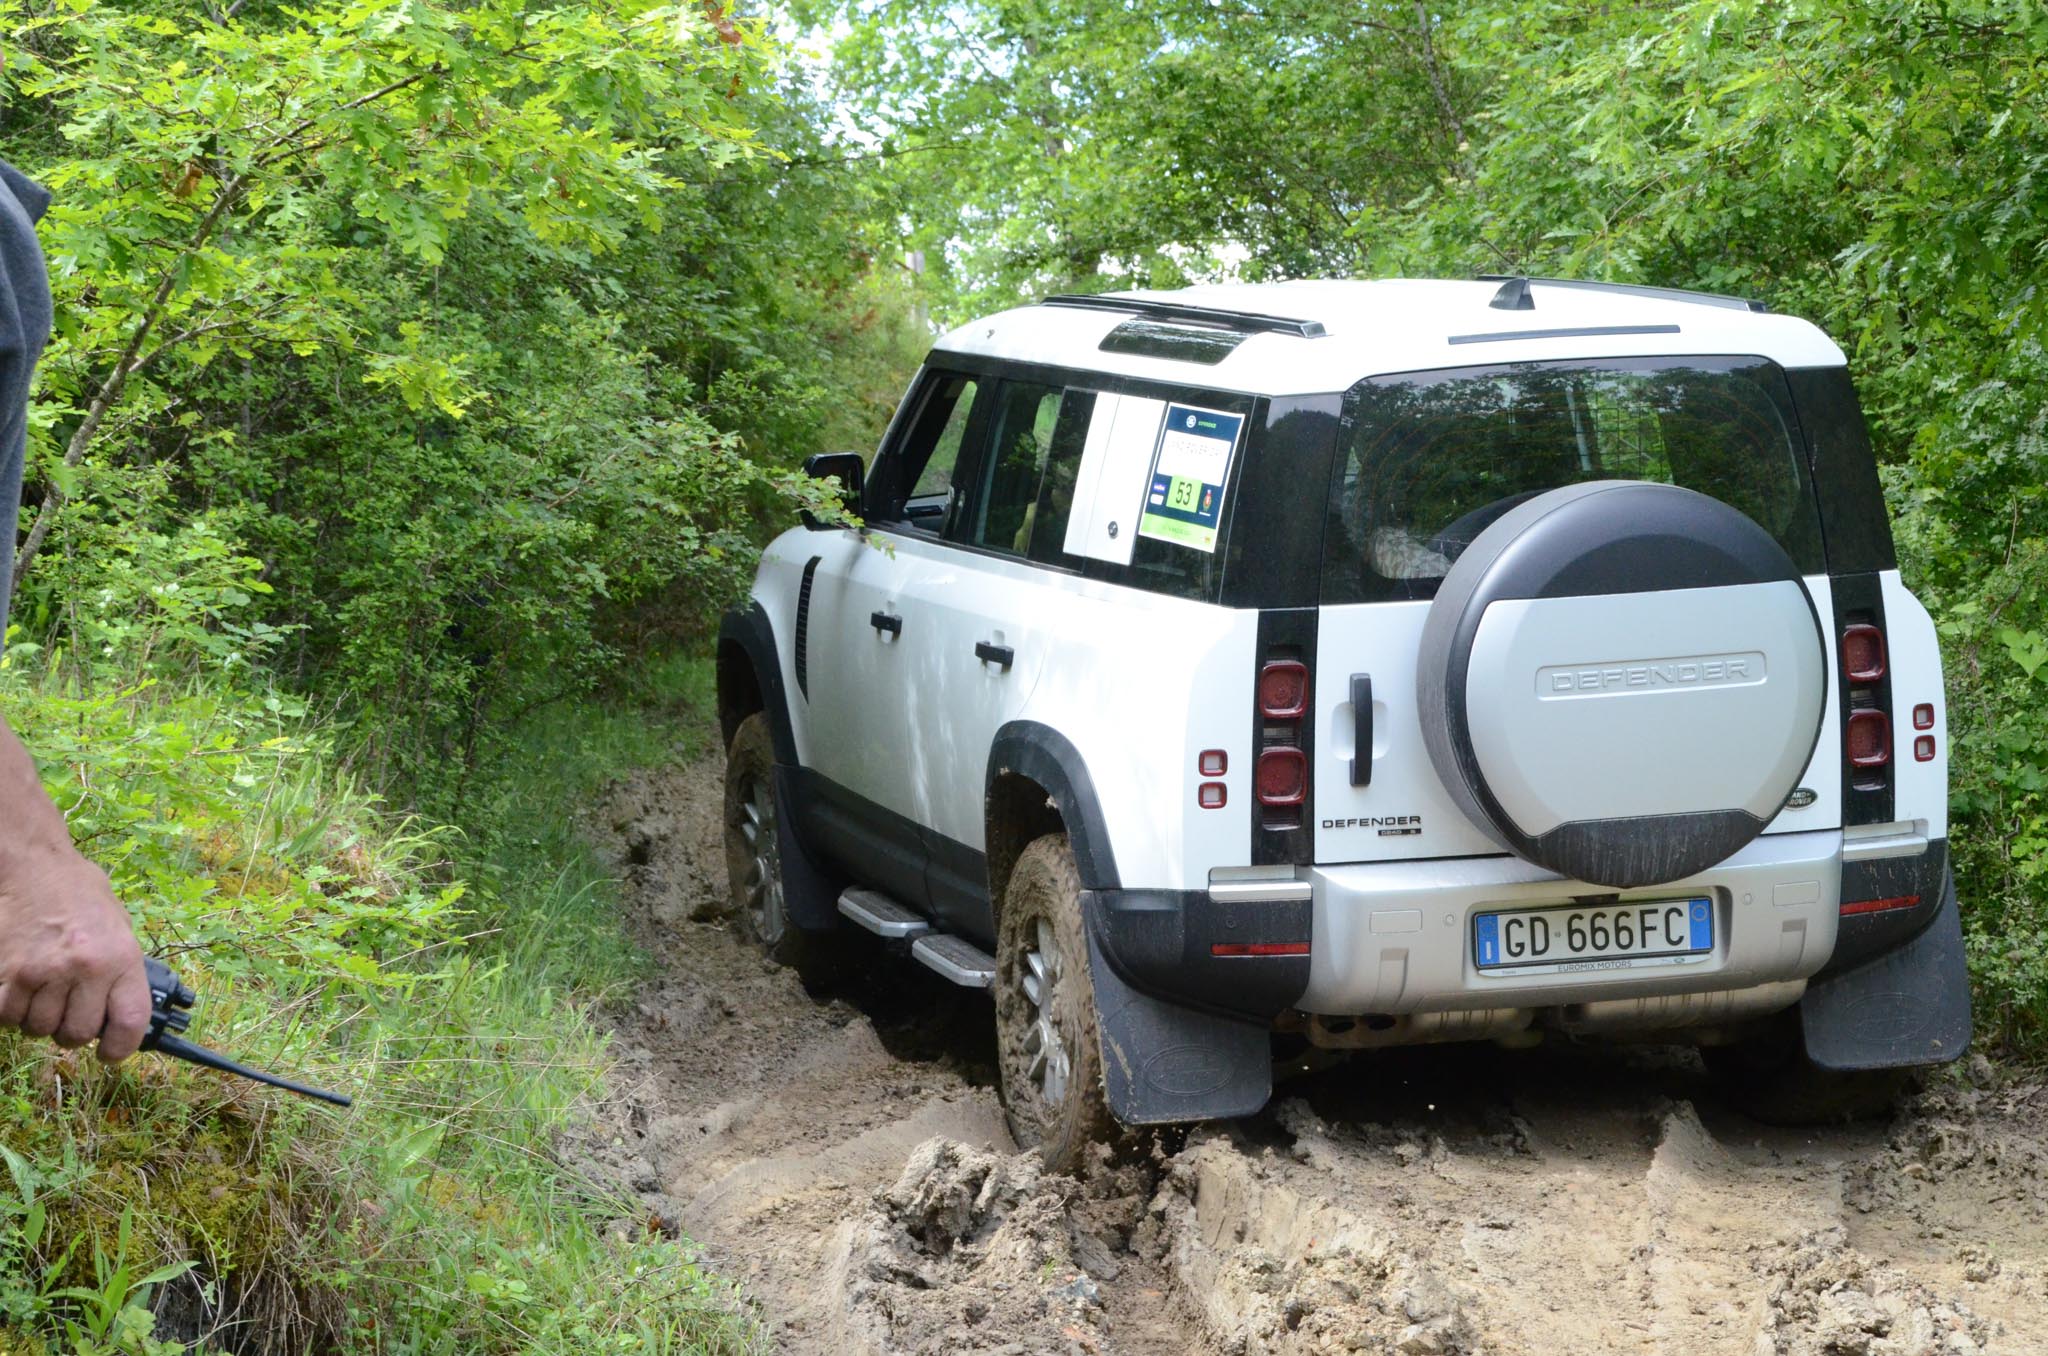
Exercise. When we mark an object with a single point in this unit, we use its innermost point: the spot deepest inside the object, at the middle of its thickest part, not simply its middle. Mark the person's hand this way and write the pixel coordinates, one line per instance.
(69, 963)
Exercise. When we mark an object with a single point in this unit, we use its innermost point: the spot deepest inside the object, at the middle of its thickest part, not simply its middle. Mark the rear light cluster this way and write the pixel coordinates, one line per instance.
(1867, 733)
(1280, 780)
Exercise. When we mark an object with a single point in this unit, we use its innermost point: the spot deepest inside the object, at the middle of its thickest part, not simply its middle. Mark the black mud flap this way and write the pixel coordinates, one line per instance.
(1908, 1007)
(1163, 1063)
(809, 893)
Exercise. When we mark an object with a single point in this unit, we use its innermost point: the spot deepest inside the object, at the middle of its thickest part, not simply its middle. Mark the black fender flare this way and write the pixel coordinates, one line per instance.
(745, 636)
(1161, 1062)
(1041, 753)
(748, 632)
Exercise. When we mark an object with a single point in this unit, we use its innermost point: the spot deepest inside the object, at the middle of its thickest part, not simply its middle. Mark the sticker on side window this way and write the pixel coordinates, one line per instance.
(1184, 500)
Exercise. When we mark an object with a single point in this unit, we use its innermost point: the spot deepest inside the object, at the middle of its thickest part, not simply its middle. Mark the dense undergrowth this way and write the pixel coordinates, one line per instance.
(442, 979)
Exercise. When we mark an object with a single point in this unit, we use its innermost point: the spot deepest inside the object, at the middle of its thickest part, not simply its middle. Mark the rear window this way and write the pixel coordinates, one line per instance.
(1430, 459)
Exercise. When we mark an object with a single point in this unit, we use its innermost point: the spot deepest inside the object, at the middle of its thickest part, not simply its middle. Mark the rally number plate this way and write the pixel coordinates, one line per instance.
(1566, 937)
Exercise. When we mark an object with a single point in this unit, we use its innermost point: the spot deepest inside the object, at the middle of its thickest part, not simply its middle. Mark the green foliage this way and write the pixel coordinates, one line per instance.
(327, 937)
(460, 319)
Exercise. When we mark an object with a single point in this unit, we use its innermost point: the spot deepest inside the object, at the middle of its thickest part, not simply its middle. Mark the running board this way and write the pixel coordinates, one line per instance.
(881, 915)
(957, 959)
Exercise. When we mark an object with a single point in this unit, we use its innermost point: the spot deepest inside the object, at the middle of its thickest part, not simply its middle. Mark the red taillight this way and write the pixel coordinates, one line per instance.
(1868, 739)
(1885, 905)
(1283, 689)
(1863, 653)
(1282, 777)
(1212, 795)
(1923, 749)
(1923, 716)
(1213, 762)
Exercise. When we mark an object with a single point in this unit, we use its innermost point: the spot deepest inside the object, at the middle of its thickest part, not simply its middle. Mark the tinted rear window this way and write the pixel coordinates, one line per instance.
(1430, 459)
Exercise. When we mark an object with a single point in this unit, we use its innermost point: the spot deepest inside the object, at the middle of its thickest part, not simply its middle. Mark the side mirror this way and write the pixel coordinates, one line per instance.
(845, 467)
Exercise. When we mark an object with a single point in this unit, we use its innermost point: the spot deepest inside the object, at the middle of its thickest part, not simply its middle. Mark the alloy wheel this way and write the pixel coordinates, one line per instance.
(1045, 1045)
(766, 911)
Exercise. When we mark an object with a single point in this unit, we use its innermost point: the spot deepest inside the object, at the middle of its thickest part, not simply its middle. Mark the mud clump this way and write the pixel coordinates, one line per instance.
(973, 1250)
(1826, 1299)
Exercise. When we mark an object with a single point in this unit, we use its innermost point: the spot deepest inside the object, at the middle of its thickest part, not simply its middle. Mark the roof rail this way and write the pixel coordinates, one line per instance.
(1245, 322)
(1631, 289)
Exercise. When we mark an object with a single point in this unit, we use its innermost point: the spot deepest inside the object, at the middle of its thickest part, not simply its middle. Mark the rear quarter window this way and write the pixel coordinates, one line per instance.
(1428, 460)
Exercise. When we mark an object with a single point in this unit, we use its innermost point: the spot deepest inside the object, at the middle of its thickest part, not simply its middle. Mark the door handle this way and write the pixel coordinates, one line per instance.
(1002, 656)
(1361, 715)
(885, 621)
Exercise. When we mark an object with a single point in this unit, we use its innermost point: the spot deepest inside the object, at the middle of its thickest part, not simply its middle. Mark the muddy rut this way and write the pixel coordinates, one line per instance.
(840, 1154)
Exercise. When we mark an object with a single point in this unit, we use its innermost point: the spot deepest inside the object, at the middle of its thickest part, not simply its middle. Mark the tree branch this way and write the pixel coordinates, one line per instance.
(130, 361)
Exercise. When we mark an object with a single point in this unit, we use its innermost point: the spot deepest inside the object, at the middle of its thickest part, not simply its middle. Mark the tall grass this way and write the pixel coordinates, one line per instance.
(442, 975)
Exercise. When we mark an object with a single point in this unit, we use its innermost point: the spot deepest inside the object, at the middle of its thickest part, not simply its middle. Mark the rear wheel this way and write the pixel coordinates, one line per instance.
(1771, 1079)
(1047, 1046)
(753, 851)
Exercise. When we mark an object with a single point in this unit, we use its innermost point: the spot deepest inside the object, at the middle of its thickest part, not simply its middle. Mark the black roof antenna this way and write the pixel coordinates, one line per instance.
(1513, 296)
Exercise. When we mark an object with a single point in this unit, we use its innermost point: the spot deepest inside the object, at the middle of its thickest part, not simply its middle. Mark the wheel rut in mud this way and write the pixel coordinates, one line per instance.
(840, 1154)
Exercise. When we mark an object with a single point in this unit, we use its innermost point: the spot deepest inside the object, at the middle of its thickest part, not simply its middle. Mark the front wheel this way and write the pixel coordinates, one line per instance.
(753, 849)
(1047, 1046)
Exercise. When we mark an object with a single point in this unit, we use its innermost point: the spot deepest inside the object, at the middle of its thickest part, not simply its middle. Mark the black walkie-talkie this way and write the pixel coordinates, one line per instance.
(170, 1003)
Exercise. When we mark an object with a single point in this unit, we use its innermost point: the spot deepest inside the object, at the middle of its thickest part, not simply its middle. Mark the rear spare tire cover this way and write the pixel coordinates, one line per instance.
(1622, 681)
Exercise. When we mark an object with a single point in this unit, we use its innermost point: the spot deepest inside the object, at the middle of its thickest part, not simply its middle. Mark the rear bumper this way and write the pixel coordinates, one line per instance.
(1393, 937)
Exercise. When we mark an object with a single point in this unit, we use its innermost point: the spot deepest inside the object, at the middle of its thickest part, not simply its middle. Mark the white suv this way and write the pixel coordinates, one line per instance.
(1359, 664)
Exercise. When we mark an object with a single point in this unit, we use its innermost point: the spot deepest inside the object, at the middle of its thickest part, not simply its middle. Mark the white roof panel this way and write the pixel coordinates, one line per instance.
(1395, 325)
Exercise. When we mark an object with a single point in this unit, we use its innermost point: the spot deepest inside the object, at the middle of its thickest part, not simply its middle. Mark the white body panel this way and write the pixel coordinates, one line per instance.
(1137, 682)
(1920, 790)
(1141, 684)
(950, 600)
(856, 723)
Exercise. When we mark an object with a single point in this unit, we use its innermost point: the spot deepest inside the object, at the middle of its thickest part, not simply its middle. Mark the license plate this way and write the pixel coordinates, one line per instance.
(1565, 937)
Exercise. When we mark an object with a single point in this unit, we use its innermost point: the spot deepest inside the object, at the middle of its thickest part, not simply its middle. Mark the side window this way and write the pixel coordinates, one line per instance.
(1024, 484)
(1047, 523)
(913, 482)
(935, 478)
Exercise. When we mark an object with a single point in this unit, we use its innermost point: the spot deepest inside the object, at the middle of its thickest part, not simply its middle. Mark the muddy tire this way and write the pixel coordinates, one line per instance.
(753, 854)
(1046, 1042)
(1770, 1079)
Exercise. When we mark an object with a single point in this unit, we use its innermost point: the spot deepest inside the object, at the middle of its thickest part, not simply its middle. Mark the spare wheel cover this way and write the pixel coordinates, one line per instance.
(1622, 681)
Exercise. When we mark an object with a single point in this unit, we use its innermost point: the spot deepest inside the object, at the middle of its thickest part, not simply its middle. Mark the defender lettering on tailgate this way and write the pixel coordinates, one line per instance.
(1649, 675)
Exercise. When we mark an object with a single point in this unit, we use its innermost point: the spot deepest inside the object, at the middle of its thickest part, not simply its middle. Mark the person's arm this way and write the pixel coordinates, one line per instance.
(69, 963)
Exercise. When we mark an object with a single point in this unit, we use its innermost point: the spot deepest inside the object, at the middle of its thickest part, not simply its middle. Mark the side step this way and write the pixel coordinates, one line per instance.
(957, 959)
(954, 957)
(881, 915)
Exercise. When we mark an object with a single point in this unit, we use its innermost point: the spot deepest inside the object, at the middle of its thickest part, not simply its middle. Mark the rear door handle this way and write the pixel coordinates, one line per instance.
(1002, 656)
(1361, 708)
(885, 621)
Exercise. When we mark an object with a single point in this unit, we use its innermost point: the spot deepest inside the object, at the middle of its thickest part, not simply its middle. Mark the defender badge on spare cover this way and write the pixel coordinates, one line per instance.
(1622, 681)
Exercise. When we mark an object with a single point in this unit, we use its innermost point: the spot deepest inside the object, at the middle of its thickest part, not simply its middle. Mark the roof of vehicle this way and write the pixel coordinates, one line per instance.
(1371, 328)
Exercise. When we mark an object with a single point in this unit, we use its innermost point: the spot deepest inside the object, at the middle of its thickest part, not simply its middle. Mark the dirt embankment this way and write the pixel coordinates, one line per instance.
(841, 1154)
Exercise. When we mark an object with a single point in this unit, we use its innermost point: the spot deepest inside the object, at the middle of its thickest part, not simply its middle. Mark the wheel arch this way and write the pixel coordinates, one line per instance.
(1038, 783)
(750, 678)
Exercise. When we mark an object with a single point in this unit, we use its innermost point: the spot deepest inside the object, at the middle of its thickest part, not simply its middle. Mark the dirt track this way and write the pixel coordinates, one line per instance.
(841, 1154)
